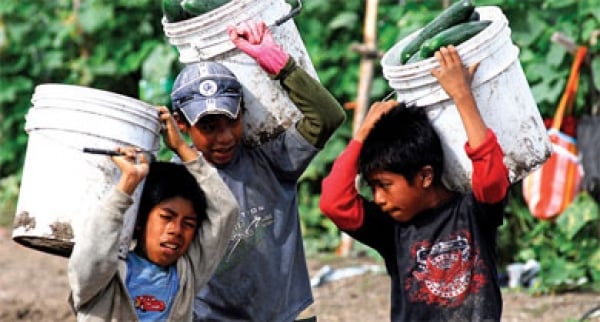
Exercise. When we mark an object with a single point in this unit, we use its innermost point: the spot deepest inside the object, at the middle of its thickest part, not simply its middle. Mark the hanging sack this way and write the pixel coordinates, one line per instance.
(588, 142)
(552, 187)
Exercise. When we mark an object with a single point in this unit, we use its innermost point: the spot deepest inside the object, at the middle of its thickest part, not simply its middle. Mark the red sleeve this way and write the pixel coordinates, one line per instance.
(340, 200)
(490, 176)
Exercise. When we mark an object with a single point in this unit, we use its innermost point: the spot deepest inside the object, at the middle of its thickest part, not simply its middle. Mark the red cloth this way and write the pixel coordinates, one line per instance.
(489, 180)
(569, 125)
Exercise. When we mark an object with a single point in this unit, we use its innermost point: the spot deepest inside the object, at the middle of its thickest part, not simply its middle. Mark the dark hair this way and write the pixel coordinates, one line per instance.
(402, 141)
(167, 180)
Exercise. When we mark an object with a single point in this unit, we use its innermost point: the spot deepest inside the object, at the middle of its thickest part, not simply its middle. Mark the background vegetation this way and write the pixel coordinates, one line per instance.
(120, 46)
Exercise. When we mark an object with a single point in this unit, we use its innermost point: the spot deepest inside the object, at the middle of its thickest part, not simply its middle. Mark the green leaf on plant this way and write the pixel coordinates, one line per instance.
(581, 211)
(596, 72)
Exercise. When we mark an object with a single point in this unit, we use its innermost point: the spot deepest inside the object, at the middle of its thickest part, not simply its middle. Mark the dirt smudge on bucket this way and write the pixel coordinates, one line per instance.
(24, 220)
(61, 230)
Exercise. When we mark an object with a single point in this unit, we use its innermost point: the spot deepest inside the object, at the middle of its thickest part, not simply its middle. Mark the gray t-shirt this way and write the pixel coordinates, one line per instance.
(263, 275)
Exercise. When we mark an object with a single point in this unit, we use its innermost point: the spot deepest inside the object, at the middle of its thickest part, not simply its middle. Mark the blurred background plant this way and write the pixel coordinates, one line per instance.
(120, 46)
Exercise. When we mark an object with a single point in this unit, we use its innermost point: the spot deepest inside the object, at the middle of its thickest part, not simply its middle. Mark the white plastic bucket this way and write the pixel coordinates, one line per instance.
(204, 38)
(61, 185)
(502, 93)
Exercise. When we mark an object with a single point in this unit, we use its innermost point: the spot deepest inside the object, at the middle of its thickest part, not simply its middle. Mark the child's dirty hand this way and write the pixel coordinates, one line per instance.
(453, 76)
(172, 136)
(170, 131)
(376, 110)
(134, 166)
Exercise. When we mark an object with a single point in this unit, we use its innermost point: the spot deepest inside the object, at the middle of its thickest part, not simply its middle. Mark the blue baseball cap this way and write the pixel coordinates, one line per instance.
(206, 88)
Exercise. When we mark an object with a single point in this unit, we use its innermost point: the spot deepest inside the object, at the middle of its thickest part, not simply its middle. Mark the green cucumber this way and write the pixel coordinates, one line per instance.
(474, 16)
(173, 11)
(456, 13)
(416, 57)
(198, 7)
(454, 35)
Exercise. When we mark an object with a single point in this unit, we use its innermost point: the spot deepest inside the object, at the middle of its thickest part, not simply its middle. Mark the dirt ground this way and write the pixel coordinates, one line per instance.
(33, 287)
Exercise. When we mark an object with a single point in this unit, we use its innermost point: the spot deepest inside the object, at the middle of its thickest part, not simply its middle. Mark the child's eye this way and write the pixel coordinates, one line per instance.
(166, 216)
(207, 127)
(190, 224)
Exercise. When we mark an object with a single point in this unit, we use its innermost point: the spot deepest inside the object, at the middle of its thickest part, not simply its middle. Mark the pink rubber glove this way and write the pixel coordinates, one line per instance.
(256, 40)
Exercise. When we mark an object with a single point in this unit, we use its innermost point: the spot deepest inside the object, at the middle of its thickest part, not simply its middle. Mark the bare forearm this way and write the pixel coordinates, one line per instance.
(471, 118)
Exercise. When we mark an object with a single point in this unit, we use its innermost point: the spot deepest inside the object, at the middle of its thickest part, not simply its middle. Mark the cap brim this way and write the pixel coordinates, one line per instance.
(222, 105)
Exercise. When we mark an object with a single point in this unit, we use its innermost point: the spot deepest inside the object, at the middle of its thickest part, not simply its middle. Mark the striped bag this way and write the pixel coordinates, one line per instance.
(550, 189)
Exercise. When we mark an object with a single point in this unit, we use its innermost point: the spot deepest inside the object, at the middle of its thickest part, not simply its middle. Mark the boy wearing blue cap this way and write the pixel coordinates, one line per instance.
(263, 276)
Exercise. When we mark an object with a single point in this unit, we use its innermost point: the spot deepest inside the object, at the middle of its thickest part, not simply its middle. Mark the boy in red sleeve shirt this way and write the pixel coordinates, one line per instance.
(439, 246)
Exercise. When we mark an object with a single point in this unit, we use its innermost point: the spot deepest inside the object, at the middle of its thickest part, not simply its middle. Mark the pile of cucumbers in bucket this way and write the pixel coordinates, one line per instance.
(453, 26)
(178, 10)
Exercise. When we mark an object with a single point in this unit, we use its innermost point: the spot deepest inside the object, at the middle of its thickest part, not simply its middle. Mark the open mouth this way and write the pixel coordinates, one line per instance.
(170, 247)
(224, 150)
(223, 153)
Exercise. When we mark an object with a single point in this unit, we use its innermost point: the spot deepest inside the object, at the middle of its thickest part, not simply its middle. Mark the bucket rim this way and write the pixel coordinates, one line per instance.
(392, 66)
(45, 87)
(39, 101)
(214, 17)
(468, 57)
(34, 112)
(94, 96)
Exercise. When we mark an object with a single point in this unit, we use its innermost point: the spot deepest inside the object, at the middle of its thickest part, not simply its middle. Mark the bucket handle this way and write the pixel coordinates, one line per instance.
(226, 42)
(294, 12)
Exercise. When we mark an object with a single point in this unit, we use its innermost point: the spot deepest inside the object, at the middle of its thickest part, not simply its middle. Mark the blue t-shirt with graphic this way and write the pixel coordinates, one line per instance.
(152, 288)
(263, 275)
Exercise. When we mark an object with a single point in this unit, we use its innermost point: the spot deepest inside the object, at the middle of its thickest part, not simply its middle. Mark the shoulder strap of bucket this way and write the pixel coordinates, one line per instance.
(568, 97)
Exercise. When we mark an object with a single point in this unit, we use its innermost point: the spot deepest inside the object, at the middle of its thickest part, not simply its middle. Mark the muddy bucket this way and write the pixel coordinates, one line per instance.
(61, 185)
(502, 93)
(204, 38)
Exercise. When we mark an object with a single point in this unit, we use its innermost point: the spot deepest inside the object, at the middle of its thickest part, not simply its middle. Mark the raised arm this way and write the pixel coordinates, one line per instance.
(322, 113)
(340, 200)
(94, 261)
(456, 80)
(214, 233)
(490, 176)
(222, 210)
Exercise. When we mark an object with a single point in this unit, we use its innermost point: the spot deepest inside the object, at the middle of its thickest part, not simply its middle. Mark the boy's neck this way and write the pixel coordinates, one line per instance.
(439, 196)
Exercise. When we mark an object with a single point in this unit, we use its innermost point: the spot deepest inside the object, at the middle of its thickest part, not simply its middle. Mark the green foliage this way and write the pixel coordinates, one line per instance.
(119, 46)
(567, 249)
(93, 43)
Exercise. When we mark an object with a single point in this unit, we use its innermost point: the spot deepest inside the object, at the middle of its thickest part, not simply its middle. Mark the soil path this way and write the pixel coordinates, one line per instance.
(33, 287)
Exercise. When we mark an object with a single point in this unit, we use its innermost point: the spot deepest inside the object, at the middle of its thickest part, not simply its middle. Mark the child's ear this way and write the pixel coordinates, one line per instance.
(181, 122)
(426, 176)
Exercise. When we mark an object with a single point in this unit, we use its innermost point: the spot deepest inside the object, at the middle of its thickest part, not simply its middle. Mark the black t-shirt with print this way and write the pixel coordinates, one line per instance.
(442, 263)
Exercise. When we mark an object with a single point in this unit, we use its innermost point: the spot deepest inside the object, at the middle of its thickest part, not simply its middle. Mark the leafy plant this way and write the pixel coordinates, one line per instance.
(567, 249)
(116, 44)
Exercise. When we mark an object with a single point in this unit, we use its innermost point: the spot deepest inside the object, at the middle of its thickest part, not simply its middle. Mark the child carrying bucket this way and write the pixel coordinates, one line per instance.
(263, 276)
(439, 246)
(185, 218)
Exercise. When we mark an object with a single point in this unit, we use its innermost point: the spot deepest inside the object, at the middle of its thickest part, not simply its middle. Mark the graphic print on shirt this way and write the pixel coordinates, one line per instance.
(149, 303)
(445, 272)
(249, 225)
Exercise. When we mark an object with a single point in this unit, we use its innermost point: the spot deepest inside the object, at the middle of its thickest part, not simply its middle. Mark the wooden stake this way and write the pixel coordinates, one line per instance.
(369, 53)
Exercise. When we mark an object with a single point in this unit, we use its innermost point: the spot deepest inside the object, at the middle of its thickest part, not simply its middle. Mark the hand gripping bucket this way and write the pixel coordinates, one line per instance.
(204, 38)
(61, 186)
(502, 93)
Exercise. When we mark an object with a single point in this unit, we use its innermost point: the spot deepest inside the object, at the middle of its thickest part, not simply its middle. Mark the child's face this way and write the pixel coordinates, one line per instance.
(217, 137)
(169, 231)
(396, 196)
